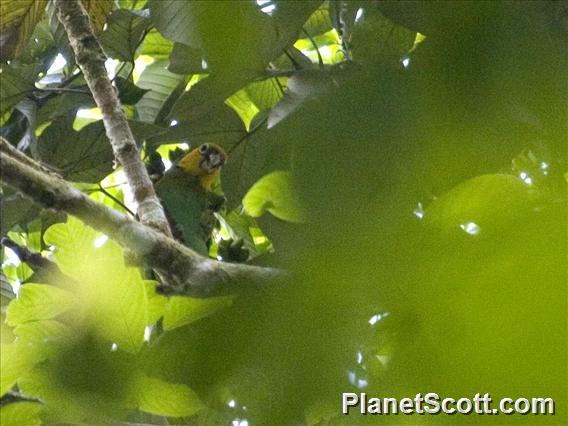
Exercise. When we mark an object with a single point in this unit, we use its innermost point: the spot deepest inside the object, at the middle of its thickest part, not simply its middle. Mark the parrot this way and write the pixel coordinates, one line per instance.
(190, 192)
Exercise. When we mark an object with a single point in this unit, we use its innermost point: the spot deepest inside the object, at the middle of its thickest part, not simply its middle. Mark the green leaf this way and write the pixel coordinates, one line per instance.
(186, 60)
(156, 302)
(113, 295)
(66, 104)
(228, 40)
(265, 94)
(160, 83)
(16, 359)
(482, 202)
(128, 92)
(98, 11)
(84, 156)
(19, 18)
(302, 86)
(41, 332)
(319, 22)
(243, 106)
(166, 399)
(16, 82)
(14, 210)
(156, 46)
(290, 17)
(223, 126)
(180, 311)
(205, 97)
(123, 34)
(376, 38)
(38, 302)
(239, 225)
(21, 413)
(274, 193)
(259, 152)
(40, 48)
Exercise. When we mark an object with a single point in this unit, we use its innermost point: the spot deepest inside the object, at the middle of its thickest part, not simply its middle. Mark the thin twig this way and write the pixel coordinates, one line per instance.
(116, 200)
(61, 89)
(320, 58)
(247, 135)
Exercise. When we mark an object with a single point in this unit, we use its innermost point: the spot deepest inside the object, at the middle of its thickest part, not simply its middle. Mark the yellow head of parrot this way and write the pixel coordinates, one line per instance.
(207, 159)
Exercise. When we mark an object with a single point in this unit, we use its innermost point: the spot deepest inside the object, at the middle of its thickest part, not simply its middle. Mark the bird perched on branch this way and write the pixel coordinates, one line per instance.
(191, 193)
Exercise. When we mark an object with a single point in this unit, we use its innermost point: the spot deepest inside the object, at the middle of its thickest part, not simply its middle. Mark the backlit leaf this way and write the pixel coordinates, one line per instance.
(166, 399)
(274, 193)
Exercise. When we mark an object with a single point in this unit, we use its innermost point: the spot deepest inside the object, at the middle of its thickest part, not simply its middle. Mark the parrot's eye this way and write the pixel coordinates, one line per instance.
(203, 148)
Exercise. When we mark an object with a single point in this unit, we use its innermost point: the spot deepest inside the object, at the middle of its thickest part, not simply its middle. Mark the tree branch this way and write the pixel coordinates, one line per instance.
(45, 269)
(186, 272)
(91, 58)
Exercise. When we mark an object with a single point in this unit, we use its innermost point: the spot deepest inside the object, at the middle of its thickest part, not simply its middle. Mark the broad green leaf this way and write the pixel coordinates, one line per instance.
(207, 96)
(98, 11)
(161, 83)
(253, 155)
(180, 311)
(66, 103)
(481, 202)
(166, 399)
(226, 32)
(186, 60)
(19, 18)
(81, 383)
(265, 94)
(156, 46)
(16, 359)
(128, 92)
(16, 82)
(377, 39)
(223, 126)
(123, 34)
(132, 4)
(243, 106)
(290, 18)
(274, 193)
(111, 294)
(72, 241)
(118, 304)
(43, 332)
(38, 302)
(302, 86)
(319, 21)
(15, 209)
(40, 48)
(21, 413)
(156, 302)
(238, 225)
(84, 156)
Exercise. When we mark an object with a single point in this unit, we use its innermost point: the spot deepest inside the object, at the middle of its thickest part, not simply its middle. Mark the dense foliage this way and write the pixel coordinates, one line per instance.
(405, 161)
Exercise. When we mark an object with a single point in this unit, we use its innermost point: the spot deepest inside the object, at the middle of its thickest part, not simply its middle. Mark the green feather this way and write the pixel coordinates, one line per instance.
(186, 204)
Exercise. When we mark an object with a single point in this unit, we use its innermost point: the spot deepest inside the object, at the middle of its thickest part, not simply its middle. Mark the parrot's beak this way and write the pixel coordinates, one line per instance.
(212, 161)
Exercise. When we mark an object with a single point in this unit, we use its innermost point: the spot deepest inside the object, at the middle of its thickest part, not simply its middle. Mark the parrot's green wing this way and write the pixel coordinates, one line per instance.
(186, 205)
